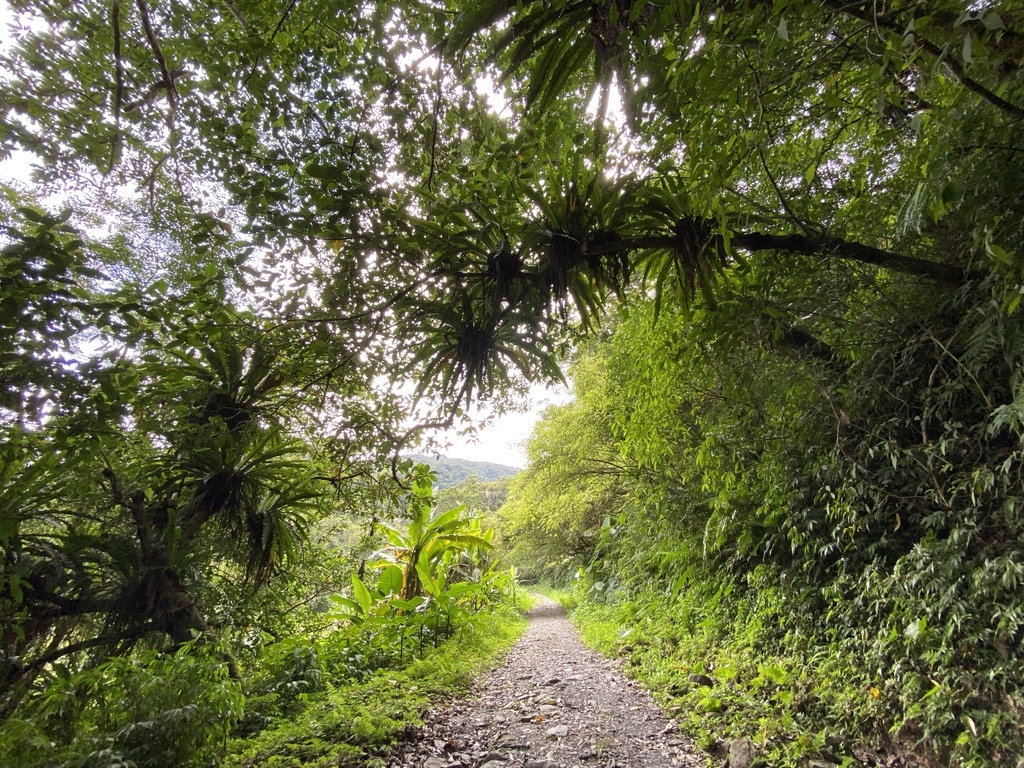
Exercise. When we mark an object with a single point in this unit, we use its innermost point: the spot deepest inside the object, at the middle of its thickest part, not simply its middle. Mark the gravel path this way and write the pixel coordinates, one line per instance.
(552, 704)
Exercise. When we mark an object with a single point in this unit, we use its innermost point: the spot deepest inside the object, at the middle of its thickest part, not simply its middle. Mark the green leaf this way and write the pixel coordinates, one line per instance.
(914, 629)
(476, 17)
(326, 172)
(427, 579)
(992, 21)
(998, 254)
(390, 582)
(461, 589)
(783, 30)
(362, 594)
(347, 608)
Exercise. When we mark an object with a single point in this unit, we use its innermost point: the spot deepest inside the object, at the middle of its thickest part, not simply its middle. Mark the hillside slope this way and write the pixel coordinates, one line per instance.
(453, 471)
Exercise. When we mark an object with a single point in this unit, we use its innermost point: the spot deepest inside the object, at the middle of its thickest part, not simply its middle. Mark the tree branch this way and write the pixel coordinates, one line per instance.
(233, 10)
(83, 645)
(823, 246)
(434, 129)
(154, 45)
(868, 15)
(278, 28)
(115, 21)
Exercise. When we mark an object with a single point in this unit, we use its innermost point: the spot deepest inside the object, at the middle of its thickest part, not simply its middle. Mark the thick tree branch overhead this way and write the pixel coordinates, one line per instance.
(822, 246)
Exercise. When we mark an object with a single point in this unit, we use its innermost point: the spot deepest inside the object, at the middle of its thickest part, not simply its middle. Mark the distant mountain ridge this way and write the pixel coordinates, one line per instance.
(453, 471)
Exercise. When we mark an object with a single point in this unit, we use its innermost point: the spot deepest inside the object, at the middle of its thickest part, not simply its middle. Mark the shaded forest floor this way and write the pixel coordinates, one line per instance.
(553, 703)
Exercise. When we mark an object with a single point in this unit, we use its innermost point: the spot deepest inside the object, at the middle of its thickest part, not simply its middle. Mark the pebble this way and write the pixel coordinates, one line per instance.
(741, 753)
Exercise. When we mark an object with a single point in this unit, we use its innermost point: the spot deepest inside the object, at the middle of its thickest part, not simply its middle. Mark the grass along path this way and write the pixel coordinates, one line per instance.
(356, 724)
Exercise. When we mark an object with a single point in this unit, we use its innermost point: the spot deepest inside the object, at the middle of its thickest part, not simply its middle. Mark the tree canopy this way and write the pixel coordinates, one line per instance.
(354, 141)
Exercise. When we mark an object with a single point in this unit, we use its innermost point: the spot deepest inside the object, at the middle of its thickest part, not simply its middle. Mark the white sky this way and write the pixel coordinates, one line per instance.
(502, 442)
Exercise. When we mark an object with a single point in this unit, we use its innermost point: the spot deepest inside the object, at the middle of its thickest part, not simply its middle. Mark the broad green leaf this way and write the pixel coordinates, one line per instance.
(362, 594)
(783, 30)
(390, 581)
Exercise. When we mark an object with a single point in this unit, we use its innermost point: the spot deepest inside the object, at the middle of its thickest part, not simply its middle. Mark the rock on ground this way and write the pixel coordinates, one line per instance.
(552, 704)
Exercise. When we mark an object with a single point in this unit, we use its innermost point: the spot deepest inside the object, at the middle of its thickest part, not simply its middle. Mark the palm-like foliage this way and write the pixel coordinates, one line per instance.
(690, 254)
(566, 44)
(106, 534)
(233, 465)
(500, 293)
(466, 349)
(574, 238)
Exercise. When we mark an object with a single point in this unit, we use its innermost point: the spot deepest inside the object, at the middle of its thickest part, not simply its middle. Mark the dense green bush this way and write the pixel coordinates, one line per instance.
(149, 710)
(836, 542)
(315, 685)
(298, 242)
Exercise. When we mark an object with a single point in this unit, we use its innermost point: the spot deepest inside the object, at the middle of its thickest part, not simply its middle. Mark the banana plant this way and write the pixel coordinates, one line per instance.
(412, 602)
(432, 541)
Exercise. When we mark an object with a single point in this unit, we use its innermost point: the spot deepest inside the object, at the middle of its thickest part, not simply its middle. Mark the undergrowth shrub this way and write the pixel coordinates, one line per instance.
(147, 710)
(759, 660)
(352, 722)
(833, 543)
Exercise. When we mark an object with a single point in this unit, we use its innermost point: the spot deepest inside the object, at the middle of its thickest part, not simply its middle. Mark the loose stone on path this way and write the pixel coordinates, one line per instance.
(553, 703)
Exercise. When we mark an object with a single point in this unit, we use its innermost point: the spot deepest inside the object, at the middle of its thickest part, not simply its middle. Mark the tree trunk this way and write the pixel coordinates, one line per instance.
(169, 608)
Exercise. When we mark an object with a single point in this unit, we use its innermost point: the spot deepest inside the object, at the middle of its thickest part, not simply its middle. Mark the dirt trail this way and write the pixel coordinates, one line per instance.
(552, 704)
